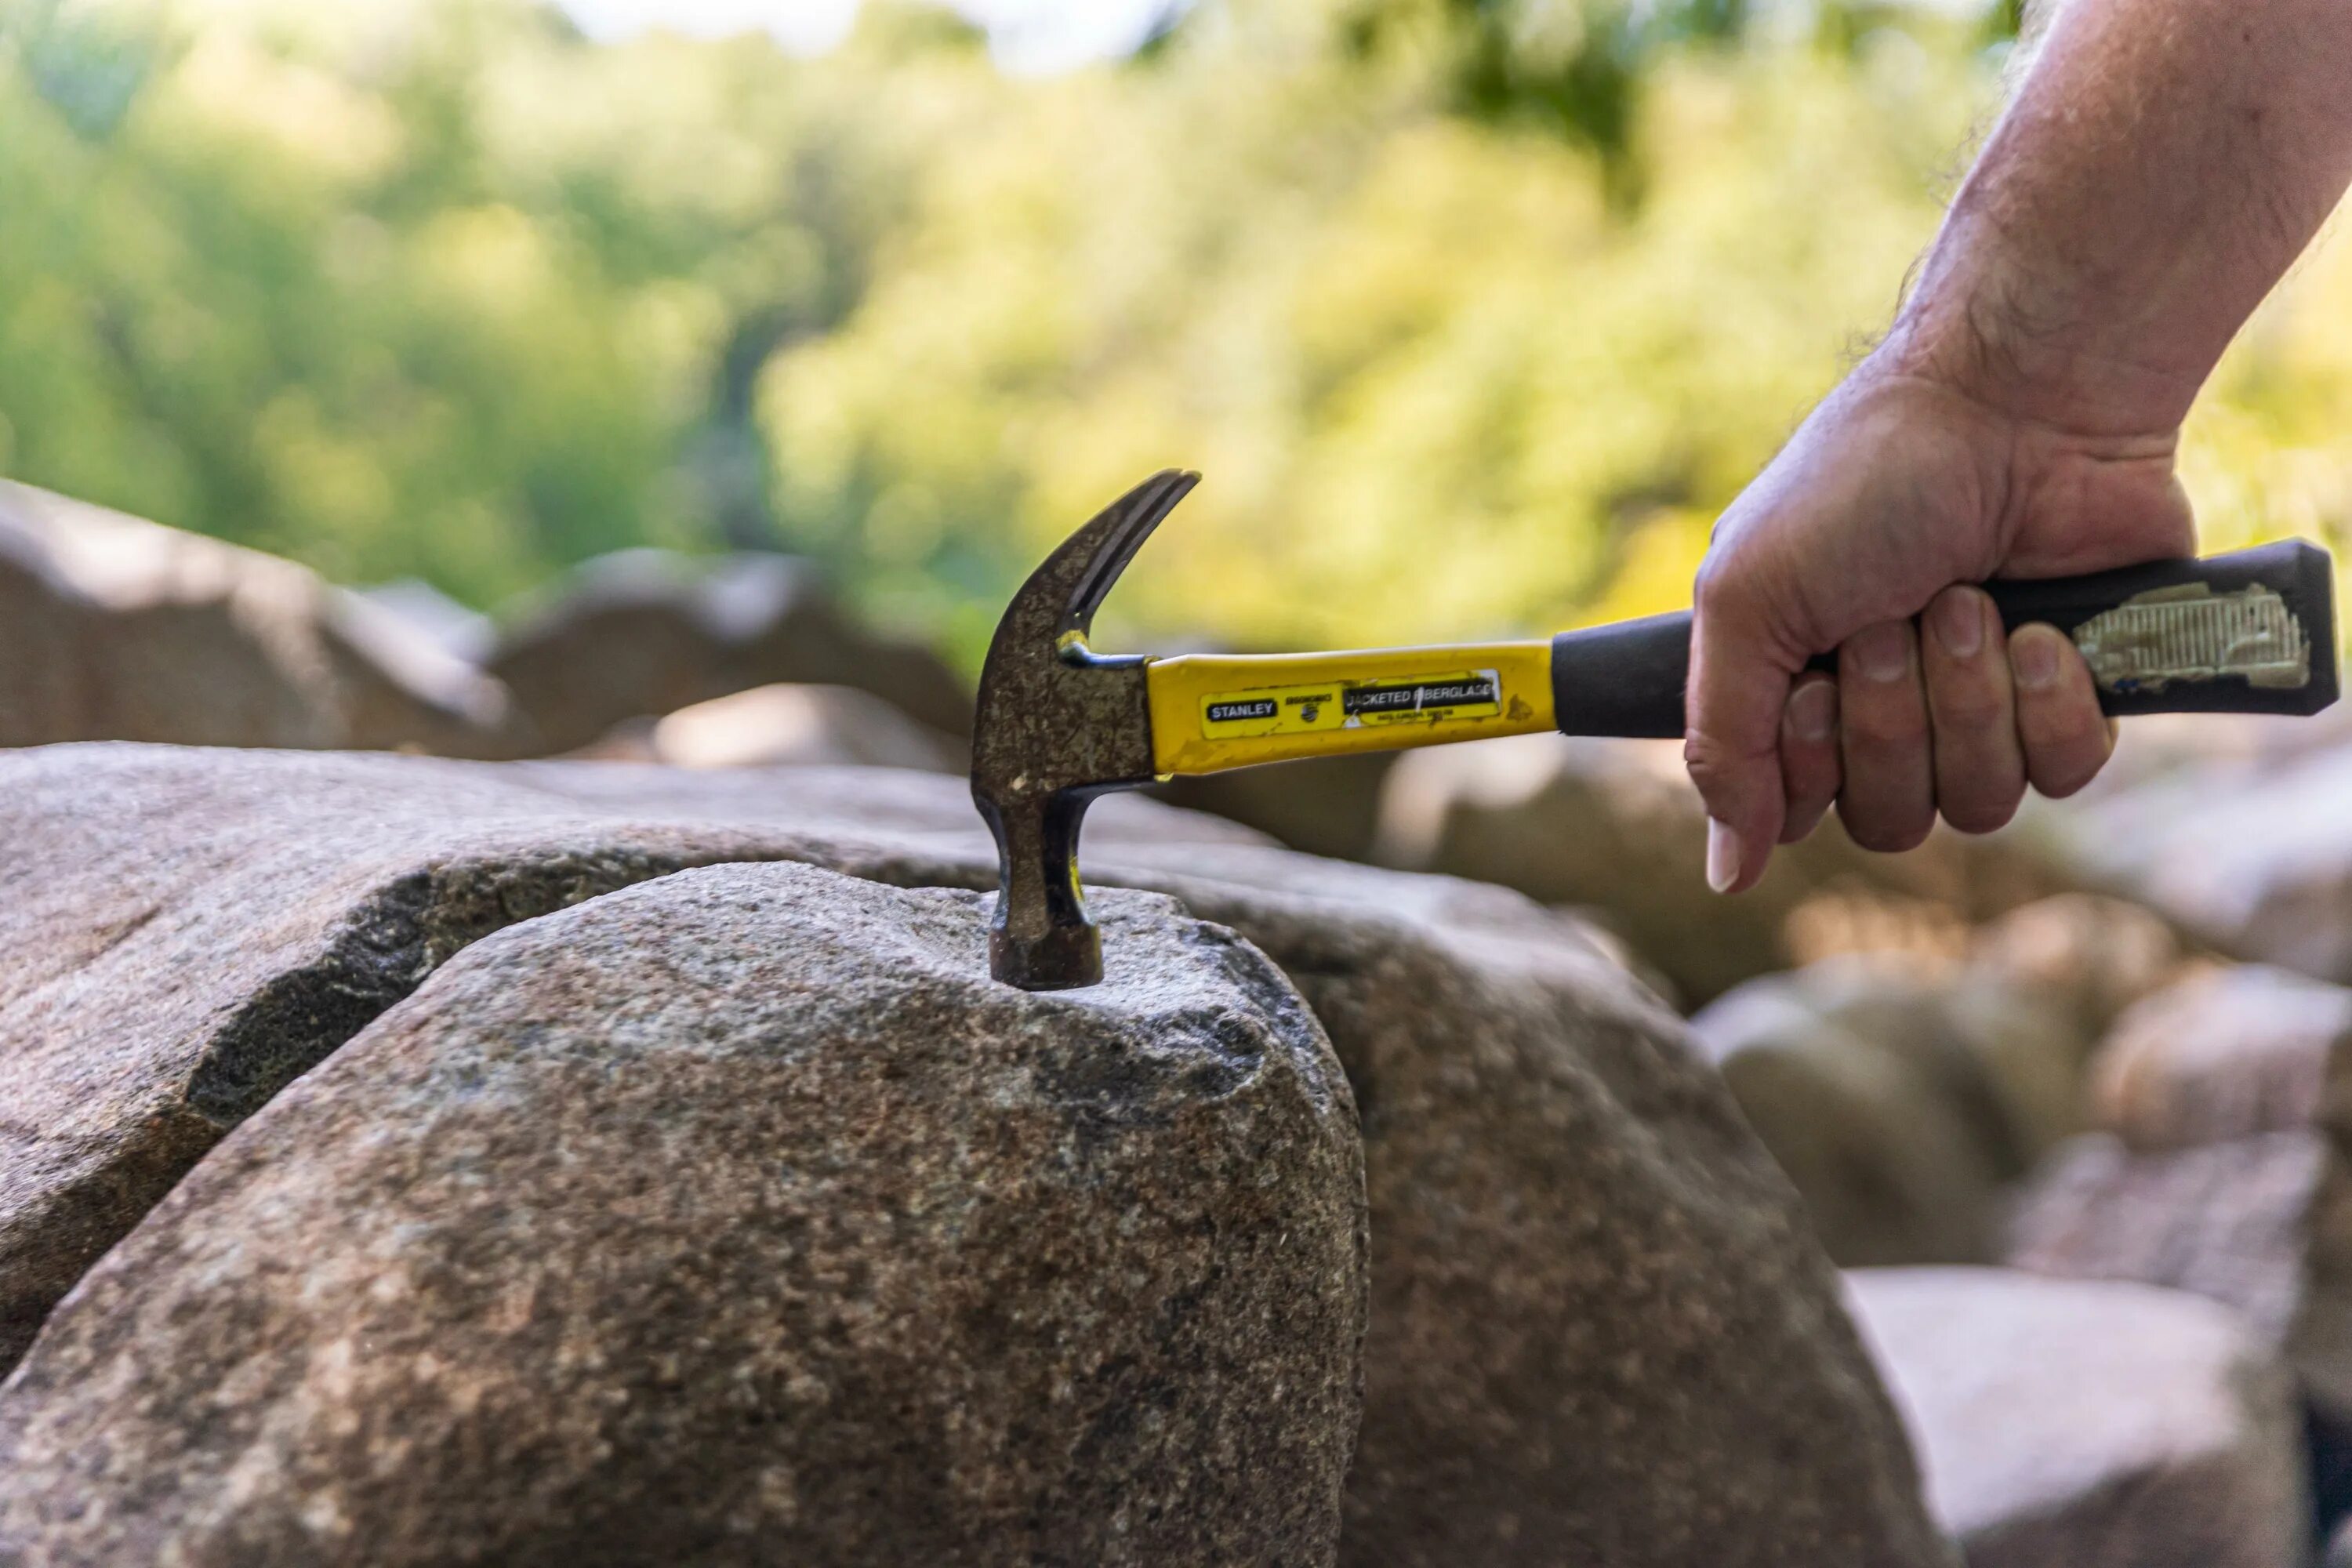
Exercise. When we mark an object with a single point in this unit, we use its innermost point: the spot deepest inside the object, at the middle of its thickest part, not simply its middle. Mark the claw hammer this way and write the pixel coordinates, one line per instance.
(1058, 723)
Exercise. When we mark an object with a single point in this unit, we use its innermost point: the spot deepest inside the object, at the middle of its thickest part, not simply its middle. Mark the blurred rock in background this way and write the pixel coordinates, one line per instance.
(1323, 806)
(778, 726)
(1613, 830)
(2066, 1424)
(113, 627)
(2250, 848)
(645, 632)
(1901, 1104)
(2218, 1166)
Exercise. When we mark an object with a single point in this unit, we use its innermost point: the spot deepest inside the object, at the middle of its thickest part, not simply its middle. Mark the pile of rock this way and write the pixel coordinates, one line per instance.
(2218, 1167)
(645, 632)
(113, 627)
(1613, 829)
(2071, 1424)
(416, 1159)
(1906, 1098)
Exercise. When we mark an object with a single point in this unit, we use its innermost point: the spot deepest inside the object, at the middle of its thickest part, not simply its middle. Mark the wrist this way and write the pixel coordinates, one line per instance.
(2031, 351)
(2027, 344)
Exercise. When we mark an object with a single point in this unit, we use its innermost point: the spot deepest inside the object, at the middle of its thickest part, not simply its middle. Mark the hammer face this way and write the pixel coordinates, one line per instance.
(1040, 938)
(1056, 738)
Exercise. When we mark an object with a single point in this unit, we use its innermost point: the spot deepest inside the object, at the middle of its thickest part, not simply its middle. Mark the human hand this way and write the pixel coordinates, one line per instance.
(1905, 488)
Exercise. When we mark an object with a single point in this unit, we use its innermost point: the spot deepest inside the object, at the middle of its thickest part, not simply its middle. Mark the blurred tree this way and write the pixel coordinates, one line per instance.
(1473, 312)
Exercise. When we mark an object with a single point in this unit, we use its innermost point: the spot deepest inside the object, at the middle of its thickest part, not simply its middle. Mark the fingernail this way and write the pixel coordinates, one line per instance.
(1722, 856)
(1813, 710)
(1882, 652)
(1959, 623)
(2033, 657)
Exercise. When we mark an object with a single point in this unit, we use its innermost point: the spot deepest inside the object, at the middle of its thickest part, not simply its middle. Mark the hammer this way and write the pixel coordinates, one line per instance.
(1058, 723)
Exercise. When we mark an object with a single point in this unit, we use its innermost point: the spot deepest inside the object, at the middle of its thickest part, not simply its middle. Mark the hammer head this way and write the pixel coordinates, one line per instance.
(1058, 724)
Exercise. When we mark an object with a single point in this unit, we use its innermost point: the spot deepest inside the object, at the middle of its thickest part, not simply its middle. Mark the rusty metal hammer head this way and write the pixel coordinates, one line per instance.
(1058, 724)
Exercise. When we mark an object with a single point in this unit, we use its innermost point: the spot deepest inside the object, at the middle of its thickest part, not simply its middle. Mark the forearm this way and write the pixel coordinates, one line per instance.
(2163, 164)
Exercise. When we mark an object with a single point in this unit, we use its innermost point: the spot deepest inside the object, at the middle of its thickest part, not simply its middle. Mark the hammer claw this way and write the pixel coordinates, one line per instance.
(1116, 533)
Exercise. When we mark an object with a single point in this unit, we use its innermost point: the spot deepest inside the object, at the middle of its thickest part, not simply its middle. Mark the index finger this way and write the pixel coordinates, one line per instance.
(1733, 701)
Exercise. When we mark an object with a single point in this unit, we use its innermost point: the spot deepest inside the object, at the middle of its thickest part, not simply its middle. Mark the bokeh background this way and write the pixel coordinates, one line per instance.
(1475, 313)
(690, 381)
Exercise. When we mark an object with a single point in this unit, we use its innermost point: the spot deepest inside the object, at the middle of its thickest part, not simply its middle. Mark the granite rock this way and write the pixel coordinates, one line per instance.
(2226, 1053)
(2084, 957)
(740, 1217)
(2268, 880)
(2227, 1220)
(2071, 1424)
(1600, 1326)
(2218, 1168)
(1322, 805)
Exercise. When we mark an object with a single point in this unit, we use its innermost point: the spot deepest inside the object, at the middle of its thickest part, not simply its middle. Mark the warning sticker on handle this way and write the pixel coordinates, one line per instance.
(1352, 704)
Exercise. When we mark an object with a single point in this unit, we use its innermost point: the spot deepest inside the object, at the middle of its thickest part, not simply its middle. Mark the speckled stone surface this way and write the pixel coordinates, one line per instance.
(1602, 1329)
(184, 931)
(2064, 1424)
(739, 1218)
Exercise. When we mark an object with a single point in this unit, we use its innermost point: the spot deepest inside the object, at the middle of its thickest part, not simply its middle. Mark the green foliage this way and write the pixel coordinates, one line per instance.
(1473, 312)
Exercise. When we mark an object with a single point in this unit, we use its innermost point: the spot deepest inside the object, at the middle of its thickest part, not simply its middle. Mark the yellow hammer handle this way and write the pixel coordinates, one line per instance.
(1214, 712)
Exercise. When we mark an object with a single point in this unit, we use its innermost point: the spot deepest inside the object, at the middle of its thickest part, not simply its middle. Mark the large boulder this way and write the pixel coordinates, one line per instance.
(1613, 828)
(2066, 1424)
(643, 633)
(113, 627)
(1600, 1329)
(738, 1218)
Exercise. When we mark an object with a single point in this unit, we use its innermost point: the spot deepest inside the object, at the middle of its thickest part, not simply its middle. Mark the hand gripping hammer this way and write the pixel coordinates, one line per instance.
(1058, 723)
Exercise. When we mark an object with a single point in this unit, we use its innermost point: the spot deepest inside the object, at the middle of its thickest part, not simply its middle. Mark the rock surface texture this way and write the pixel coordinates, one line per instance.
(1600, 1326)
(739, 1218)
(113, 627)
(2066, 1424)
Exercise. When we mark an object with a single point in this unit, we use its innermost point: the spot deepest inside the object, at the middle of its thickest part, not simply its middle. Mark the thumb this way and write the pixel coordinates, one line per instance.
(1739, 686)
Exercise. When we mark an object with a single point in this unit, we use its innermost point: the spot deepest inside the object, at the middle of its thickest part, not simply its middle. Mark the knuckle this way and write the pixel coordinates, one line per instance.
(2066, 777)
(1981, 815)
(1710, 761)
(1885, 726)
(1883, 835)
(1969, 705)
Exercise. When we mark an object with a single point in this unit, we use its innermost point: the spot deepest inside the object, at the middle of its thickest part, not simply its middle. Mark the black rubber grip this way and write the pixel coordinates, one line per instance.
(2171, 649)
